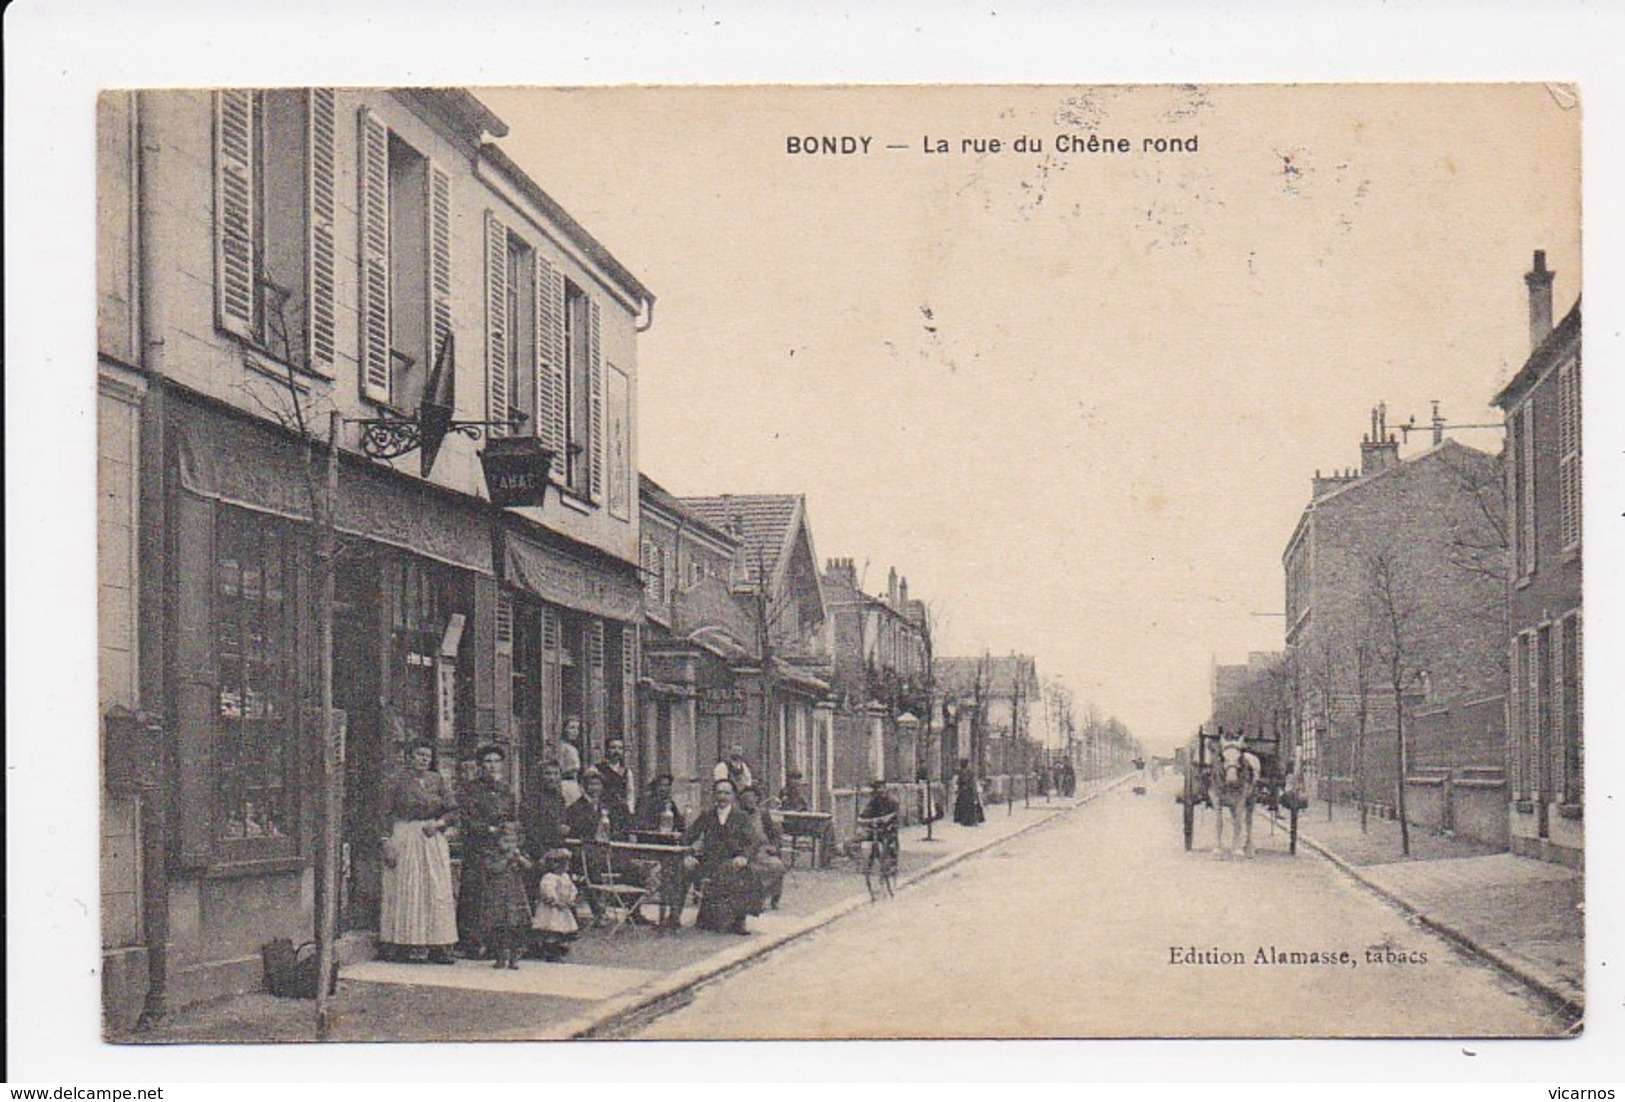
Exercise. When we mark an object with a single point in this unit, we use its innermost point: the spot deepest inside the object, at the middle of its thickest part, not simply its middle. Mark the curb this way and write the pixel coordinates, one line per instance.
(674, 986)
(1575, 1009)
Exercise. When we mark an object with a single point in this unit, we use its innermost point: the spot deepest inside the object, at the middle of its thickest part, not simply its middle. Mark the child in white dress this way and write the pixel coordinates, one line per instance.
(555, 919)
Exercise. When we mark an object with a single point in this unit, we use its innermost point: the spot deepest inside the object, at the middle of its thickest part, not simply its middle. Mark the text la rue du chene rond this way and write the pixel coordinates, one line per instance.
(864, 145)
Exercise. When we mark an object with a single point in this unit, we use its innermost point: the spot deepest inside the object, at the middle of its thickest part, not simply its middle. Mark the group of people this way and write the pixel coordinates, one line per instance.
(517, 893)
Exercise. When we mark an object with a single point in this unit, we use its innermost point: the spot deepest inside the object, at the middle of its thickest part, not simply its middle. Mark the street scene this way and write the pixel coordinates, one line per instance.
(1096, 562)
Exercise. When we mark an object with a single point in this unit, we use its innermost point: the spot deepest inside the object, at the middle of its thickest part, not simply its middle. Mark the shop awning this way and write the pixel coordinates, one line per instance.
(606, 589)
(234, 461)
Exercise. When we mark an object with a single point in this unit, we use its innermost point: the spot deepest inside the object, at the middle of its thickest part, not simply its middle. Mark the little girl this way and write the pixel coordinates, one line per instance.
(555, 920)
(502, 898)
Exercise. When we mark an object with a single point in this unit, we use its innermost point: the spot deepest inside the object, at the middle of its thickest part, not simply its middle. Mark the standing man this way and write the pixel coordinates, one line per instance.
(734, 768)
(617, 776)
(488, 802)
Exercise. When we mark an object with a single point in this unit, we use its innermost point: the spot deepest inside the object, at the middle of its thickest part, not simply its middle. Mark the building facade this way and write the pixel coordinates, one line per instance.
(775, 701)
(1545, 701)
(1394, 612)
(268, 260)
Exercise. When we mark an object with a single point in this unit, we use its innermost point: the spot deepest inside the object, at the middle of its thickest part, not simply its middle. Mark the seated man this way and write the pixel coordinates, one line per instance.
(793, 798)
(767, 863)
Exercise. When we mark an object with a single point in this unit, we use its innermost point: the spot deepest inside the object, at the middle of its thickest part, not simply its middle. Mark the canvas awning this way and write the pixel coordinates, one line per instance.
(607, 588)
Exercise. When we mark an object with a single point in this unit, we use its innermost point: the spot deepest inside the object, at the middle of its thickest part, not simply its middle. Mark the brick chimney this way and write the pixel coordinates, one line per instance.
(891, 587)
(842, 571)
(1380, 450)
(902, 594)
(1539, 279)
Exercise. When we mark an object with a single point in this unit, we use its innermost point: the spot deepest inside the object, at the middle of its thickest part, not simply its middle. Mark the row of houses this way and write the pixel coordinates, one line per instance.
(1434, 620)
(278, 269)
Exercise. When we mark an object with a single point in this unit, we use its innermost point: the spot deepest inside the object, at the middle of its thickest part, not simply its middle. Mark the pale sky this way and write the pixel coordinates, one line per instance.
(1076, 398)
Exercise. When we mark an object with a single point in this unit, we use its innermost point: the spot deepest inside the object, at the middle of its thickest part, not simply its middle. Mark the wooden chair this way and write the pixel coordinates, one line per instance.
(614, 896)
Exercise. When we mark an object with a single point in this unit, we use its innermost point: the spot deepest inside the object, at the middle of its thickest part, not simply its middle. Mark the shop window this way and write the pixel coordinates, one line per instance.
(254, 757)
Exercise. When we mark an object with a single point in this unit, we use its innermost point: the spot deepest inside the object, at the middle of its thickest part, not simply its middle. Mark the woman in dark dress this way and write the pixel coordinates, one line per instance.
(967, 800)
(725, 840)
(418, 915)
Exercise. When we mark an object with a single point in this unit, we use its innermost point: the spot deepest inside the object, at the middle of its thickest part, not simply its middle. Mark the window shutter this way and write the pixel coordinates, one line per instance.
(550, 363)
(504, 620)
(1515, 721)
(1527, 506)
(1533, 714)
(629, 680)
(595, 371)
(496, 321)
(1577, 778)
(234, 254)
(600, 683)
(321, 164)
(439, 259)
(1558, 743)
(374, 251)
(552, 686)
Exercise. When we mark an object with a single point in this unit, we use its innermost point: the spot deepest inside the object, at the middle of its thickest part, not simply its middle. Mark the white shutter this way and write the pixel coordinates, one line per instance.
(373, 176)
(496, 321)
(504, 621)
(598, 693)
(629, 681)
(439, 260)
(234, 230)
(321, 274)
(595, 389)
(550, 365)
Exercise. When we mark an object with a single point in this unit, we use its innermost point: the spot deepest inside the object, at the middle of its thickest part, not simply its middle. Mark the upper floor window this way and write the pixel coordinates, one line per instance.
(405, 271)
(1568, 420)
(544, 358)
(1521, 487)
(273, 221)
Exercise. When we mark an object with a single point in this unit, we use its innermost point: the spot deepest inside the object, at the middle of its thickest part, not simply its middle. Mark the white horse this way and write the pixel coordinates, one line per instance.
(1231, 780)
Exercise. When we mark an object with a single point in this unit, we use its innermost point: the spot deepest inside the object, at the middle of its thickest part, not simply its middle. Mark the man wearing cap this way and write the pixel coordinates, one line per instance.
(488, 802)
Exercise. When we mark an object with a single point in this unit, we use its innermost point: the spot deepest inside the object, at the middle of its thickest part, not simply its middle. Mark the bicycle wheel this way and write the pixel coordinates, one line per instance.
(869, 872)
(888, 872)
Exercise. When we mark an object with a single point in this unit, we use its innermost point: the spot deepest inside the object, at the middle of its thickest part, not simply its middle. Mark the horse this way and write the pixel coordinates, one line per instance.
(1230, 784)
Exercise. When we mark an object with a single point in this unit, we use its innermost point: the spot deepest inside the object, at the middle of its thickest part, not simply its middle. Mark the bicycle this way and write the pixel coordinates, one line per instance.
(879, 837)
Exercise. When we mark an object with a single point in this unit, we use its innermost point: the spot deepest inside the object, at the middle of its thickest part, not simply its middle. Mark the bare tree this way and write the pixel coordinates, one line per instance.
(1394, 610)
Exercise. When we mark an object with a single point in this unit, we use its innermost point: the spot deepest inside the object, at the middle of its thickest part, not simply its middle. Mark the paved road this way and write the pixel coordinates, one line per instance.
(1071, 929)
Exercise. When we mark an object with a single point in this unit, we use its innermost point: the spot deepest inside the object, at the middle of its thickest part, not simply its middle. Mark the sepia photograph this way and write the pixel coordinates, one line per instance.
(776, 545)
(1059, 562)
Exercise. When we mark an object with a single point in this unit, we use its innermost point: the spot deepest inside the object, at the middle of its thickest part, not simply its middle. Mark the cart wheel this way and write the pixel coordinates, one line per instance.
(1190, 810)
(1293, 846)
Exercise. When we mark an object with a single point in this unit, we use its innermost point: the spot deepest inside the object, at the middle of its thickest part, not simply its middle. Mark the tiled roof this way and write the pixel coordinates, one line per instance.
(764, 522)
(652, 492)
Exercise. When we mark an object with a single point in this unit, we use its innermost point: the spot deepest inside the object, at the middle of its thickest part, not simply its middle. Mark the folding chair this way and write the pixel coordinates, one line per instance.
(617, 899)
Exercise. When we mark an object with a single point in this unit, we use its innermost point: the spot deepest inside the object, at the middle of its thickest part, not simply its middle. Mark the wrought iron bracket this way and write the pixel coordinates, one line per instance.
(391, 437)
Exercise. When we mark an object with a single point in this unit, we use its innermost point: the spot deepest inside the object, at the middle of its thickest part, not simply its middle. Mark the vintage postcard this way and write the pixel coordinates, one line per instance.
(851, 562)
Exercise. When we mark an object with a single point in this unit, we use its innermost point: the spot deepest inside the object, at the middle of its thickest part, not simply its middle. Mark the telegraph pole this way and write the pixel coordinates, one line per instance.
(332, 750)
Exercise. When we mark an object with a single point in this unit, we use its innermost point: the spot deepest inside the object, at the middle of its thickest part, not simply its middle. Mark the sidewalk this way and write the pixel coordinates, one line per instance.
(1523, 915)
(608, 979)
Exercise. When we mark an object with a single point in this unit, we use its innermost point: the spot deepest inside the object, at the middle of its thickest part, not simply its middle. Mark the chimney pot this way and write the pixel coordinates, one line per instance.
(1539, 280)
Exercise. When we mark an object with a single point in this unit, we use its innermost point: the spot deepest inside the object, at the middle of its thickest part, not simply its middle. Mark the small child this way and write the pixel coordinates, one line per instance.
(505, 909)
(555, 921)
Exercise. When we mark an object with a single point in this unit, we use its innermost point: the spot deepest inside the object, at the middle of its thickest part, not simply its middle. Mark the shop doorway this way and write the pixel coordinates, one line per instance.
(356, 643)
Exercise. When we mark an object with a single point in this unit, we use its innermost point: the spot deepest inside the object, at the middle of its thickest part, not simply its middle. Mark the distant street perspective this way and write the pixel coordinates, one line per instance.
(1099, 924)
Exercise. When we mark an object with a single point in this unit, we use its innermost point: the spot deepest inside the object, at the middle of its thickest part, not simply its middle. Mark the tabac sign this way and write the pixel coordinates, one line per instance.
(516, 470)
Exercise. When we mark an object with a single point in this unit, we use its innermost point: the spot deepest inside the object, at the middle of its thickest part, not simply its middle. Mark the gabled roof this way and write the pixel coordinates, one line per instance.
(653, 493)
(1552, 350)
(765, 524)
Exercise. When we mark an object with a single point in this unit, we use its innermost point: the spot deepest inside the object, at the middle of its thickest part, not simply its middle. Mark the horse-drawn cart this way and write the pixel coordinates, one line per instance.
(1213, 763)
